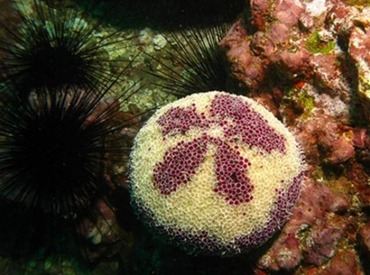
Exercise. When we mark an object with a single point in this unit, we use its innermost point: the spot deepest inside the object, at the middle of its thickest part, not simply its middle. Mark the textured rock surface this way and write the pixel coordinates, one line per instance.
(323, 42)
(359, 50)
(308, 62)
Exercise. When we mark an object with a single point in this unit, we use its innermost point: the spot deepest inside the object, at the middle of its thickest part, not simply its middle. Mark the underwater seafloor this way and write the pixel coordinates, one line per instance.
(308, 62)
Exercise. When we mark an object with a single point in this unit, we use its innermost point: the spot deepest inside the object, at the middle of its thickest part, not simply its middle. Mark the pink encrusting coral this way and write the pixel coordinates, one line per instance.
(216, 173)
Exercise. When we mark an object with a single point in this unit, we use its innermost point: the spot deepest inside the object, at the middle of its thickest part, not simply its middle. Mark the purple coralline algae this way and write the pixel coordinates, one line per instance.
(308, 62)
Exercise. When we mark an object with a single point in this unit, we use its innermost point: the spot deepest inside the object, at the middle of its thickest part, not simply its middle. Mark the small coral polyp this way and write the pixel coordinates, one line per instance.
(215, 173)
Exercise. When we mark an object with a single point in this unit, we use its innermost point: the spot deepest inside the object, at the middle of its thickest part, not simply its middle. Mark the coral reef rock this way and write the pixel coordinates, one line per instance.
(308, 63)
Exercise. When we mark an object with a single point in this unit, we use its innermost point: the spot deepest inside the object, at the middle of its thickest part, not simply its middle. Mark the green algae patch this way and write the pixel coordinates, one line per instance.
(316, 45)
(298, 101)
(307, 101)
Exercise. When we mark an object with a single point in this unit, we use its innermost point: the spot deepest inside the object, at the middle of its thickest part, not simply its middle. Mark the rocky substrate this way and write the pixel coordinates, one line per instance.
(308, 62)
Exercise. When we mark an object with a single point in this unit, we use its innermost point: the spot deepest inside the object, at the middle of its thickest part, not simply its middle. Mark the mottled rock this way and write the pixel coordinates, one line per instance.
(259, 10)
(340, 204)
(261, 44)
(313, 216)
(245, 64)
(279, 33)
(285, 255)
(359, 49)
(323, 133)
(364, 233)
(341, 150)
(288, 12)
(361, 181)
(306, 60)
(296, 64)
(360, 137)
(328, 75)
(315, 55)
(339, 19)
(321, 244)
(345, 262)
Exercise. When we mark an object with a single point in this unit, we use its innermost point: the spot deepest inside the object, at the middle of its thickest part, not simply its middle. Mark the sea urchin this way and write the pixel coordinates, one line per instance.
(46, 45)
(215, 173)
(195, 62)
(54, 148)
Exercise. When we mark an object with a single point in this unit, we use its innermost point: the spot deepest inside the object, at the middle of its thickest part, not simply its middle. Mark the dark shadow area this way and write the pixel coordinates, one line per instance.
(350, 71)
(364, 256)
(154, 254)
(164, 14)
(27, 231)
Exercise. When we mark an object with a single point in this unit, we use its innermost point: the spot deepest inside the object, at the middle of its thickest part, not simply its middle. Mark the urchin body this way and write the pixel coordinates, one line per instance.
(215, 173)
(52, 46)
(54, 148)
(58, 129)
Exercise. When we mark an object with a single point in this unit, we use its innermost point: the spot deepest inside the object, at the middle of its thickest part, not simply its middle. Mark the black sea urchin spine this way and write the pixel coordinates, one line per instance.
(52, 46)
(60, 126)
(58, 149)
(195, 62)
(53, 150)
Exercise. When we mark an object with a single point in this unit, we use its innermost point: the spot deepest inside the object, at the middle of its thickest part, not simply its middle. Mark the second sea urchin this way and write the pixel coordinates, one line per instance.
(198, 62)
(46, 45)
(54, 148)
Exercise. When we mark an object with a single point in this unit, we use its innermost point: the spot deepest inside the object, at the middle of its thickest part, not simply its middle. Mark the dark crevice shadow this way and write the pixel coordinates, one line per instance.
(164, 14)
